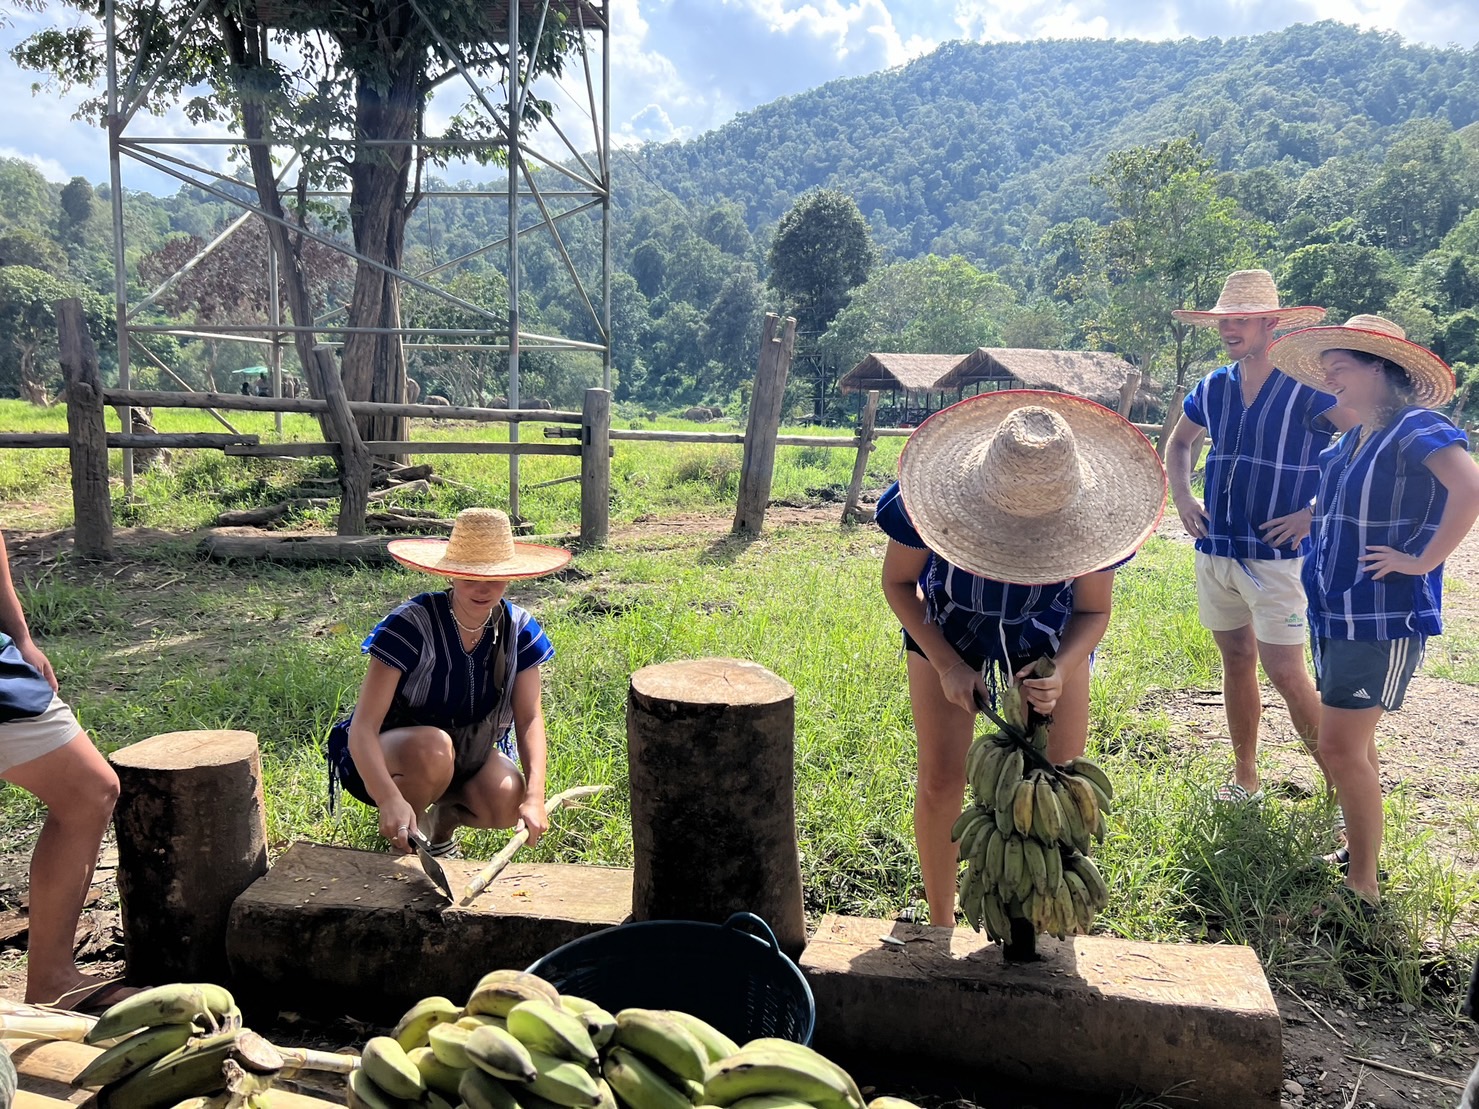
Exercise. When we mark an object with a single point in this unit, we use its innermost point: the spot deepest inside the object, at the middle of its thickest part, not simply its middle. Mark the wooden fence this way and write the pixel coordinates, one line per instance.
(88, 442)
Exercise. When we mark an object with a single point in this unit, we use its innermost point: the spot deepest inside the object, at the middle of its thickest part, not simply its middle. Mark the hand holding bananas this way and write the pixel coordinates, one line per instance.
(1026, 840)
(520, 1044)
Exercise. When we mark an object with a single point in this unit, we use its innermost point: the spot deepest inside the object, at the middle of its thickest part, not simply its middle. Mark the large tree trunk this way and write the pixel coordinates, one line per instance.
(32, 389)
(375, 365)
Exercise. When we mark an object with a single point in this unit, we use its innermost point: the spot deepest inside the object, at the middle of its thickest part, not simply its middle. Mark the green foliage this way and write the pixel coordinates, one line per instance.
(820, 253)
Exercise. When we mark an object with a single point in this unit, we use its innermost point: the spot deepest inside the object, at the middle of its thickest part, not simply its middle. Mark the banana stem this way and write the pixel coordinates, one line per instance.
(495, 865)
(297, 1059)
(46, 1026)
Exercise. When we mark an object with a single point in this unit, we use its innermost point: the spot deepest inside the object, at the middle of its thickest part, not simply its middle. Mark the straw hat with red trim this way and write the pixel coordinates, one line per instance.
(1031, 487)
(1251, 293)
(481, 548)
(1298, 355)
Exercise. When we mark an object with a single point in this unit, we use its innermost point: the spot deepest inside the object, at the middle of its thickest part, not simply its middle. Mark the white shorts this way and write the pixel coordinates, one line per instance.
(25, 740)
(1267, 593)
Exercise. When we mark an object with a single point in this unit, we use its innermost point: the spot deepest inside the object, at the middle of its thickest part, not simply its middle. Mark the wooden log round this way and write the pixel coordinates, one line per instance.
(711, 754)
(192, 835)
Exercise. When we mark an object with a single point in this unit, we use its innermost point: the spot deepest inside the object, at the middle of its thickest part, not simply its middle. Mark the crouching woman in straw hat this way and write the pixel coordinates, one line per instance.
(1397, 493)
(450, 673)
(1010, 513)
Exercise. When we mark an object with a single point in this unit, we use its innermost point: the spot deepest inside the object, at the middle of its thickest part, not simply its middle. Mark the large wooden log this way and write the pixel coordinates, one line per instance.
(711, 756)
(92, 503)
(192, 835)
(335, 932)
(766, 402)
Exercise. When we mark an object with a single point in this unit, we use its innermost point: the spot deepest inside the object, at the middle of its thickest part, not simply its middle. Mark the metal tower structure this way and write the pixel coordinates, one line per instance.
(583, 174)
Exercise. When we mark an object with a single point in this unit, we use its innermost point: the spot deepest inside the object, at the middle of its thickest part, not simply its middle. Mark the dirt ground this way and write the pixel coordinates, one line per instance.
(1431, 749)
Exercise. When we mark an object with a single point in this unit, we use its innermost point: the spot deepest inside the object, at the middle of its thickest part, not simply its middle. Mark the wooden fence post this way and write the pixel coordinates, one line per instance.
(1173, 413)
(765, 422)
(355, 464)
(595, 468)
(92, 503)
(866, 446)
(1128, 391)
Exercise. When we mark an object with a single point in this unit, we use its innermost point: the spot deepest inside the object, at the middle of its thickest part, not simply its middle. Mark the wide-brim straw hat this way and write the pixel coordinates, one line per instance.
(1298, 355)
(1251, 293)
(480, 548)
(1031, 487)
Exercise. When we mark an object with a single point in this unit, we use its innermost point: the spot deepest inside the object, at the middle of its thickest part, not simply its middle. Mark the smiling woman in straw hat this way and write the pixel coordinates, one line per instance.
(450, 674)
(1397, 493)
(1010, 513)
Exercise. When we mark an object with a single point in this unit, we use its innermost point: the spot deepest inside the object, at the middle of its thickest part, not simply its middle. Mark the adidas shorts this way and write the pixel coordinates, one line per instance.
(1365, 673)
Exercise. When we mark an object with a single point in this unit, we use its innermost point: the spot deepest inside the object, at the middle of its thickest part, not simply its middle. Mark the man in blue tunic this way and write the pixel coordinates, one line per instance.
(1252, 524)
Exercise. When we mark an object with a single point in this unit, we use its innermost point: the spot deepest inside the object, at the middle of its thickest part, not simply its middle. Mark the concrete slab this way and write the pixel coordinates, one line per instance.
(1096, 1014)
(340, 931)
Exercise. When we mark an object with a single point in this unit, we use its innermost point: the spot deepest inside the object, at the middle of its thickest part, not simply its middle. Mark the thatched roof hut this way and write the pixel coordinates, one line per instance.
(1095, 374)
(904, 373)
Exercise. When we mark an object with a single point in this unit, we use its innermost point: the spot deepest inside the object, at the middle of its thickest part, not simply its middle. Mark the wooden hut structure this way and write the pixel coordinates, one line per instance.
(911, 379)
(1095, 374)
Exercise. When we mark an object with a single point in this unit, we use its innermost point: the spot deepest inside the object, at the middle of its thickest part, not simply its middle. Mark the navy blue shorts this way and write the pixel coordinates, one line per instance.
(343, 773)
(1366, 673)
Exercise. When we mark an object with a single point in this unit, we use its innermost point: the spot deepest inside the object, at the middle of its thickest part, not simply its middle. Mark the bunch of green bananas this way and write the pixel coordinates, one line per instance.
(1026, 840)
(520, 1044)
(174, 1043)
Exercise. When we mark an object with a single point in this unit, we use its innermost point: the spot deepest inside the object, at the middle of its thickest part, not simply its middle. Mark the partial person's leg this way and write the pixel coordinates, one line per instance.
(79, 789)
(1242, 701)
(489, 799)
(1285, 666)
(944, 732)
(1068, 735)
(1347, 739)
(420, 761)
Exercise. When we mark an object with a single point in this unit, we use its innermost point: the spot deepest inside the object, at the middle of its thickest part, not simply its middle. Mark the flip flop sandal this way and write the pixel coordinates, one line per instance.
(1230, 793)
(93, 998)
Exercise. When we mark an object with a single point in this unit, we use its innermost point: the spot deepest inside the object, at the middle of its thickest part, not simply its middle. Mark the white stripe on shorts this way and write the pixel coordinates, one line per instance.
(1396, 663)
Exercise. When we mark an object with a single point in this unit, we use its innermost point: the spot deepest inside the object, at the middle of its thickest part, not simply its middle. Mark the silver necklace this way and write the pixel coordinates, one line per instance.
(476, 629)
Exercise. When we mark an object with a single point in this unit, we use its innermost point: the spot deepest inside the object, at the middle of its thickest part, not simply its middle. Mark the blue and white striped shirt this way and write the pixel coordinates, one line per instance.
(1264, 458)
(976, 614)
(1380, 495)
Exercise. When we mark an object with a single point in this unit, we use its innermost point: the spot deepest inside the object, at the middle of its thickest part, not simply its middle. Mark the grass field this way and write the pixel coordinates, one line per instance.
(164, 641)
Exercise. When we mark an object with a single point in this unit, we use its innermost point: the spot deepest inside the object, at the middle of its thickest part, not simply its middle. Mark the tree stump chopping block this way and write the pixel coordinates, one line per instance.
(711, 757)
(192, 836)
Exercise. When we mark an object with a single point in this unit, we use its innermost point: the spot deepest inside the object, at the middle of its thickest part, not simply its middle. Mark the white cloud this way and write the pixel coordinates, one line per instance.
(49, 168)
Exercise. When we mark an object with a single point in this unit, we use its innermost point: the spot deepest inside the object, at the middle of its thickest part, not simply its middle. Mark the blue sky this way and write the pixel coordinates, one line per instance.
(682, 67)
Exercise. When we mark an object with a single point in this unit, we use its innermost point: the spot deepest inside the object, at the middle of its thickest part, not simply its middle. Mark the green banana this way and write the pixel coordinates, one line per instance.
(204, 1065)
(1088, 803)
(499, 1052)
(1105, 808)
(1067, 913)
(1036, 865)
(998, 924)
(134, 1053)
(812, 1058)
(448, 1042)
(386, 1062)
(564, 1082)
(988, 774)
(638, 1085)
(1053, 864)
(1024, 880)
(659, 1037)
(1047, 817)
(1011, 867)
(410, 1031)
(436, 1074)
(966, 893)
(715, 1043)
(480, 1090)
(768, 1070)
(1074, 832)
(499, 991)
(540, 1026)
(964, 821)
(1011, 777)
(770, 1101)
(433, 1099)
(1093, 881)
(473, 1021)
(1022, 801)
(993, 858)
(365, 1094)
(1090, 770)
(178, 1003)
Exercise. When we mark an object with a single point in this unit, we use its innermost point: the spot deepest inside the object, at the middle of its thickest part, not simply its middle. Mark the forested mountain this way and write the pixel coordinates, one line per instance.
(1034, 194)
